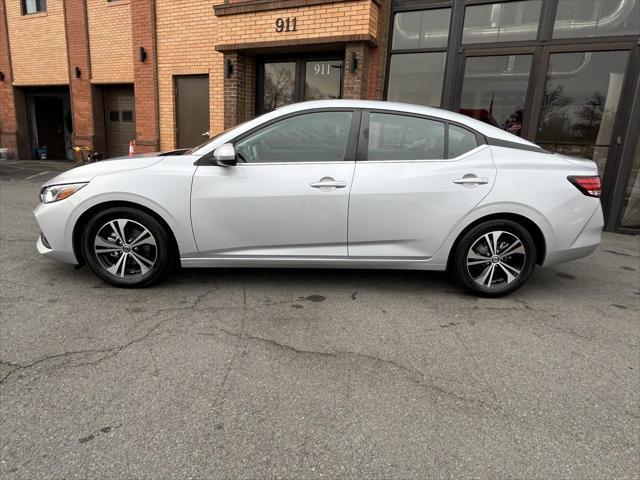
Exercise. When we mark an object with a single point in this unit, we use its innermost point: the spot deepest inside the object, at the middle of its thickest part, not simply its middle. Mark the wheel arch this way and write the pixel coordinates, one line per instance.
(532, 227)
(82, 221)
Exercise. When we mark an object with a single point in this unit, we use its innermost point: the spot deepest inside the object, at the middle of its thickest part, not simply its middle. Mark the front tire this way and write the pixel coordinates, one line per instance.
(127, 247)
(494, 258)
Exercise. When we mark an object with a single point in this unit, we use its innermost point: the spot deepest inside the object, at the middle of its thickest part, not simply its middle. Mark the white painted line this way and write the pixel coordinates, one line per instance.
(36, 175)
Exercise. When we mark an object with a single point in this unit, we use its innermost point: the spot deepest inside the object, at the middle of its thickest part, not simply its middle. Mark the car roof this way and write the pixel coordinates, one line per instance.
(477, 125)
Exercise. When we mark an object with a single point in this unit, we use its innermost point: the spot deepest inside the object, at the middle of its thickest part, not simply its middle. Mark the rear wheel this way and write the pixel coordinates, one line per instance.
(494, 258)
(127, 247)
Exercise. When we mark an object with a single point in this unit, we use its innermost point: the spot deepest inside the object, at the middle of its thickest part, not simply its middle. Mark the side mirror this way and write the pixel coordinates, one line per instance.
(225, 155)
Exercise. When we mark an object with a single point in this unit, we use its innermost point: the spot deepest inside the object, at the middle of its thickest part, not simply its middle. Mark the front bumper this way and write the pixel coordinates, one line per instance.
(52, 219)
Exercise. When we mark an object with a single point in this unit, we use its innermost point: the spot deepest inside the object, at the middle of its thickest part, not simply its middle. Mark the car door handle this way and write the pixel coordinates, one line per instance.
(471, 180)
(326, 184)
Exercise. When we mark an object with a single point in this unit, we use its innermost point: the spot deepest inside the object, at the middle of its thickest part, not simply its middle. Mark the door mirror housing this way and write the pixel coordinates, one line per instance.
(225, 155)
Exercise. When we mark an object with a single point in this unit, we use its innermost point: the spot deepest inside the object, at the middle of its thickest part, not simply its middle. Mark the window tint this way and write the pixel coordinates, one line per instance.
(596, 18)
(127, 115)
(461, 141)
(501, 22)
(416, 78)
(33, 6)
(312, 137)
(398, 137)
(425, 29)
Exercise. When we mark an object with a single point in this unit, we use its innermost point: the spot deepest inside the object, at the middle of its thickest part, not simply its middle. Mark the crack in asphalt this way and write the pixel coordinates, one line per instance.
(109, 352)
(415, 376)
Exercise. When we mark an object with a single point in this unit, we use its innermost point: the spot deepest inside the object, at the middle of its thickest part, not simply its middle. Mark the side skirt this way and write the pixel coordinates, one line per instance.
(312, 262)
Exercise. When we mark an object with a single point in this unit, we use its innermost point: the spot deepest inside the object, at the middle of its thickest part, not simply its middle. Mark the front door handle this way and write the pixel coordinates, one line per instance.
(471, 180)
(328, 183)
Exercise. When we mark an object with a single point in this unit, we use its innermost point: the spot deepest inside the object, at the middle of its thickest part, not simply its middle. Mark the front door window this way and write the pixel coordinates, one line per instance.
(297, 80)
(581, 97)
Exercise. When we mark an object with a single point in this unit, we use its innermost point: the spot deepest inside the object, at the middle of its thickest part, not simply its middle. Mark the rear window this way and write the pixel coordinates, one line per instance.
(461, 141)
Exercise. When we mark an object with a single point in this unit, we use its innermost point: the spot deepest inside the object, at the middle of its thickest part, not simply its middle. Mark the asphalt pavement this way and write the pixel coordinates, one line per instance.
(312, 373)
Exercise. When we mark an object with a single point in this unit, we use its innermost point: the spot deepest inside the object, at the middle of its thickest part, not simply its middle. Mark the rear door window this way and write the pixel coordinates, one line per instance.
(402, 137)
(461, 141)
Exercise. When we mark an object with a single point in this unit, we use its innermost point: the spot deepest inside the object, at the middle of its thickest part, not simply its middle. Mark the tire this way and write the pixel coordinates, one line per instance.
(146, 248)
(482, 270)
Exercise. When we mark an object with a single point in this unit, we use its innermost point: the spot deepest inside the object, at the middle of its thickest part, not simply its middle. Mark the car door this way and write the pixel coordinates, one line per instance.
(287, 196)
(415, 179)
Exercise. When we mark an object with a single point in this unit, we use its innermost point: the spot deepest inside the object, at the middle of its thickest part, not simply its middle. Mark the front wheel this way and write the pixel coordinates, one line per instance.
(494, 258)
(127, 247)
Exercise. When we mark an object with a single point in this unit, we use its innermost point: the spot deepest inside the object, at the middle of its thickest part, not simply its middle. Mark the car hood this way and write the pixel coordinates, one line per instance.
(86, 173)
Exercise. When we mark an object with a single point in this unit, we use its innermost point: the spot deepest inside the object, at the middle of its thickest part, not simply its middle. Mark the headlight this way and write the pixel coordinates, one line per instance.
(54, 193)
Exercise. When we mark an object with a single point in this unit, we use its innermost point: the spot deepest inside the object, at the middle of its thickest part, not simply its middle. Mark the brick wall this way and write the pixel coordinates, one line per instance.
(187, 33)
(355, 83)
(8, 121)
(80, 87)
(145, 75)
(378, 56)
(315, 21)
(38, 45)
(240, 89)
(110, 38)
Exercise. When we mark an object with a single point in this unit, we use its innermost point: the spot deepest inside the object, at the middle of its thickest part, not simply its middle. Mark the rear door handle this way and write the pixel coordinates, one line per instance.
(471, 180)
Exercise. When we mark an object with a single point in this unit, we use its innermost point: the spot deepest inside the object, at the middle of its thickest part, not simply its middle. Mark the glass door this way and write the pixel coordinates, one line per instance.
(282, 82)
(580, 102)
(495, 89)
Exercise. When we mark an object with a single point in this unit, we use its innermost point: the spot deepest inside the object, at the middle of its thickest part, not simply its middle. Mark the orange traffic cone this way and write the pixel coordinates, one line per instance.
(132, 148)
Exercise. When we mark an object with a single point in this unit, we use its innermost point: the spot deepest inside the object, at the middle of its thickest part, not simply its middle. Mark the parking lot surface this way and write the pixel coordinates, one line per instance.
(312, 373)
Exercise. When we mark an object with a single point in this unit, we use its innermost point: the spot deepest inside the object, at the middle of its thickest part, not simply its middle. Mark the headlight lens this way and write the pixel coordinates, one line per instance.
(55, 193)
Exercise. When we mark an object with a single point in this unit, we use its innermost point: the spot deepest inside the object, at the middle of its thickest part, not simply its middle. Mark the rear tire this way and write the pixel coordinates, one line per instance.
(494, 258)
(127, 247)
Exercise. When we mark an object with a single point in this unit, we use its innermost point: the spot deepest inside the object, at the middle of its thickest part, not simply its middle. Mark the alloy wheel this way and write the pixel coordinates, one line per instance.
(496, 259)
(125, 248)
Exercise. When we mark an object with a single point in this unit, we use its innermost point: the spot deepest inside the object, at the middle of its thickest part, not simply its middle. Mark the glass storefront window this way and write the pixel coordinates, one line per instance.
(630, 217)
(425, 29)
(279, 85)
(416, 78)
(596, 18)
(581, 97)
(322, 80)
(501, 22)
(495, 88)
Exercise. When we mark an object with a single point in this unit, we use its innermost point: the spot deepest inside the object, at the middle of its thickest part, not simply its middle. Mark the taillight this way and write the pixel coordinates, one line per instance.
(590, 186)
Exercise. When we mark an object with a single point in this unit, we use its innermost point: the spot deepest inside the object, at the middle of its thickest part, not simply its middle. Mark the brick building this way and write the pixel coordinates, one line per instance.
(168, 73)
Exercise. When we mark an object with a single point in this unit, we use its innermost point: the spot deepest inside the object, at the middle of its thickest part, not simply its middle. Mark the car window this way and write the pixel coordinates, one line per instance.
(311, 137)
(461, 141)
(399, 137)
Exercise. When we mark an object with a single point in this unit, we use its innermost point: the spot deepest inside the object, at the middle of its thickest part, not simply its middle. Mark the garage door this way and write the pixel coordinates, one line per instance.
(120, 120)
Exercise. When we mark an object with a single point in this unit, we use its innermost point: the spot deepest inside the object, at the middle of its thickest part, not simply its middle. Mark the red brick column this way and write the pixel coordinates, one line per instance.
(378, 55)
(239, 88)
(145, 74)
(355, 83)
(83, 103)
(8, 119)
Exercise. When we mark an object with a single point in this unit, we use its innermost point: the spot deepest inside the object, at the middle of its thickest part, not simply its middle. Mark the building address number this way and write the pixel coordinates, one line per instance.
(286, 24)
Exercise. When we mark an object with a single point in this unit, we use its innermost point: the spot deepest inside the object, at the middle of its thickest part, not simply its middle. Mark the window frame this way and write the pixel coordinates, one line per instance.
(352, 138)
(362, 153)
(24, 12)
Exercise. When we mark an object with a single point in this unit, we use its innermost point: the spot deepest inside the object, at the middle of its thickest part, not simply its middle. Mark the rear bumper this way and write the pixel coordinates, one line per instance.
(583, 245)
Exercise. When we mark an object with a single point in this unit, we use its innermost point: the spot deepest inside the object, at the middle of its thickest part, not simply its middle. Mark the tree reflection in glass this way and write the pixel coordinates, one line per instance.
(279, 85)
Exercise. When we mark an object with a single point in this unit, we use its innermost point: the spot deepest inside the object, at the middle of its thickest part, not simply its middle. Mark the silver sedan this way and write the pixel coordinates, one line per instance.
(338, 184)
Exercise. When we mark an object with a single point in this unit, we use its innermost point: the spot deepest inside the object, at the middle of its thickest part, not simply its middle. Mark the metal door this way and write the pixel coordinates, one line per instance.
(120, 120)
(192, 110)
